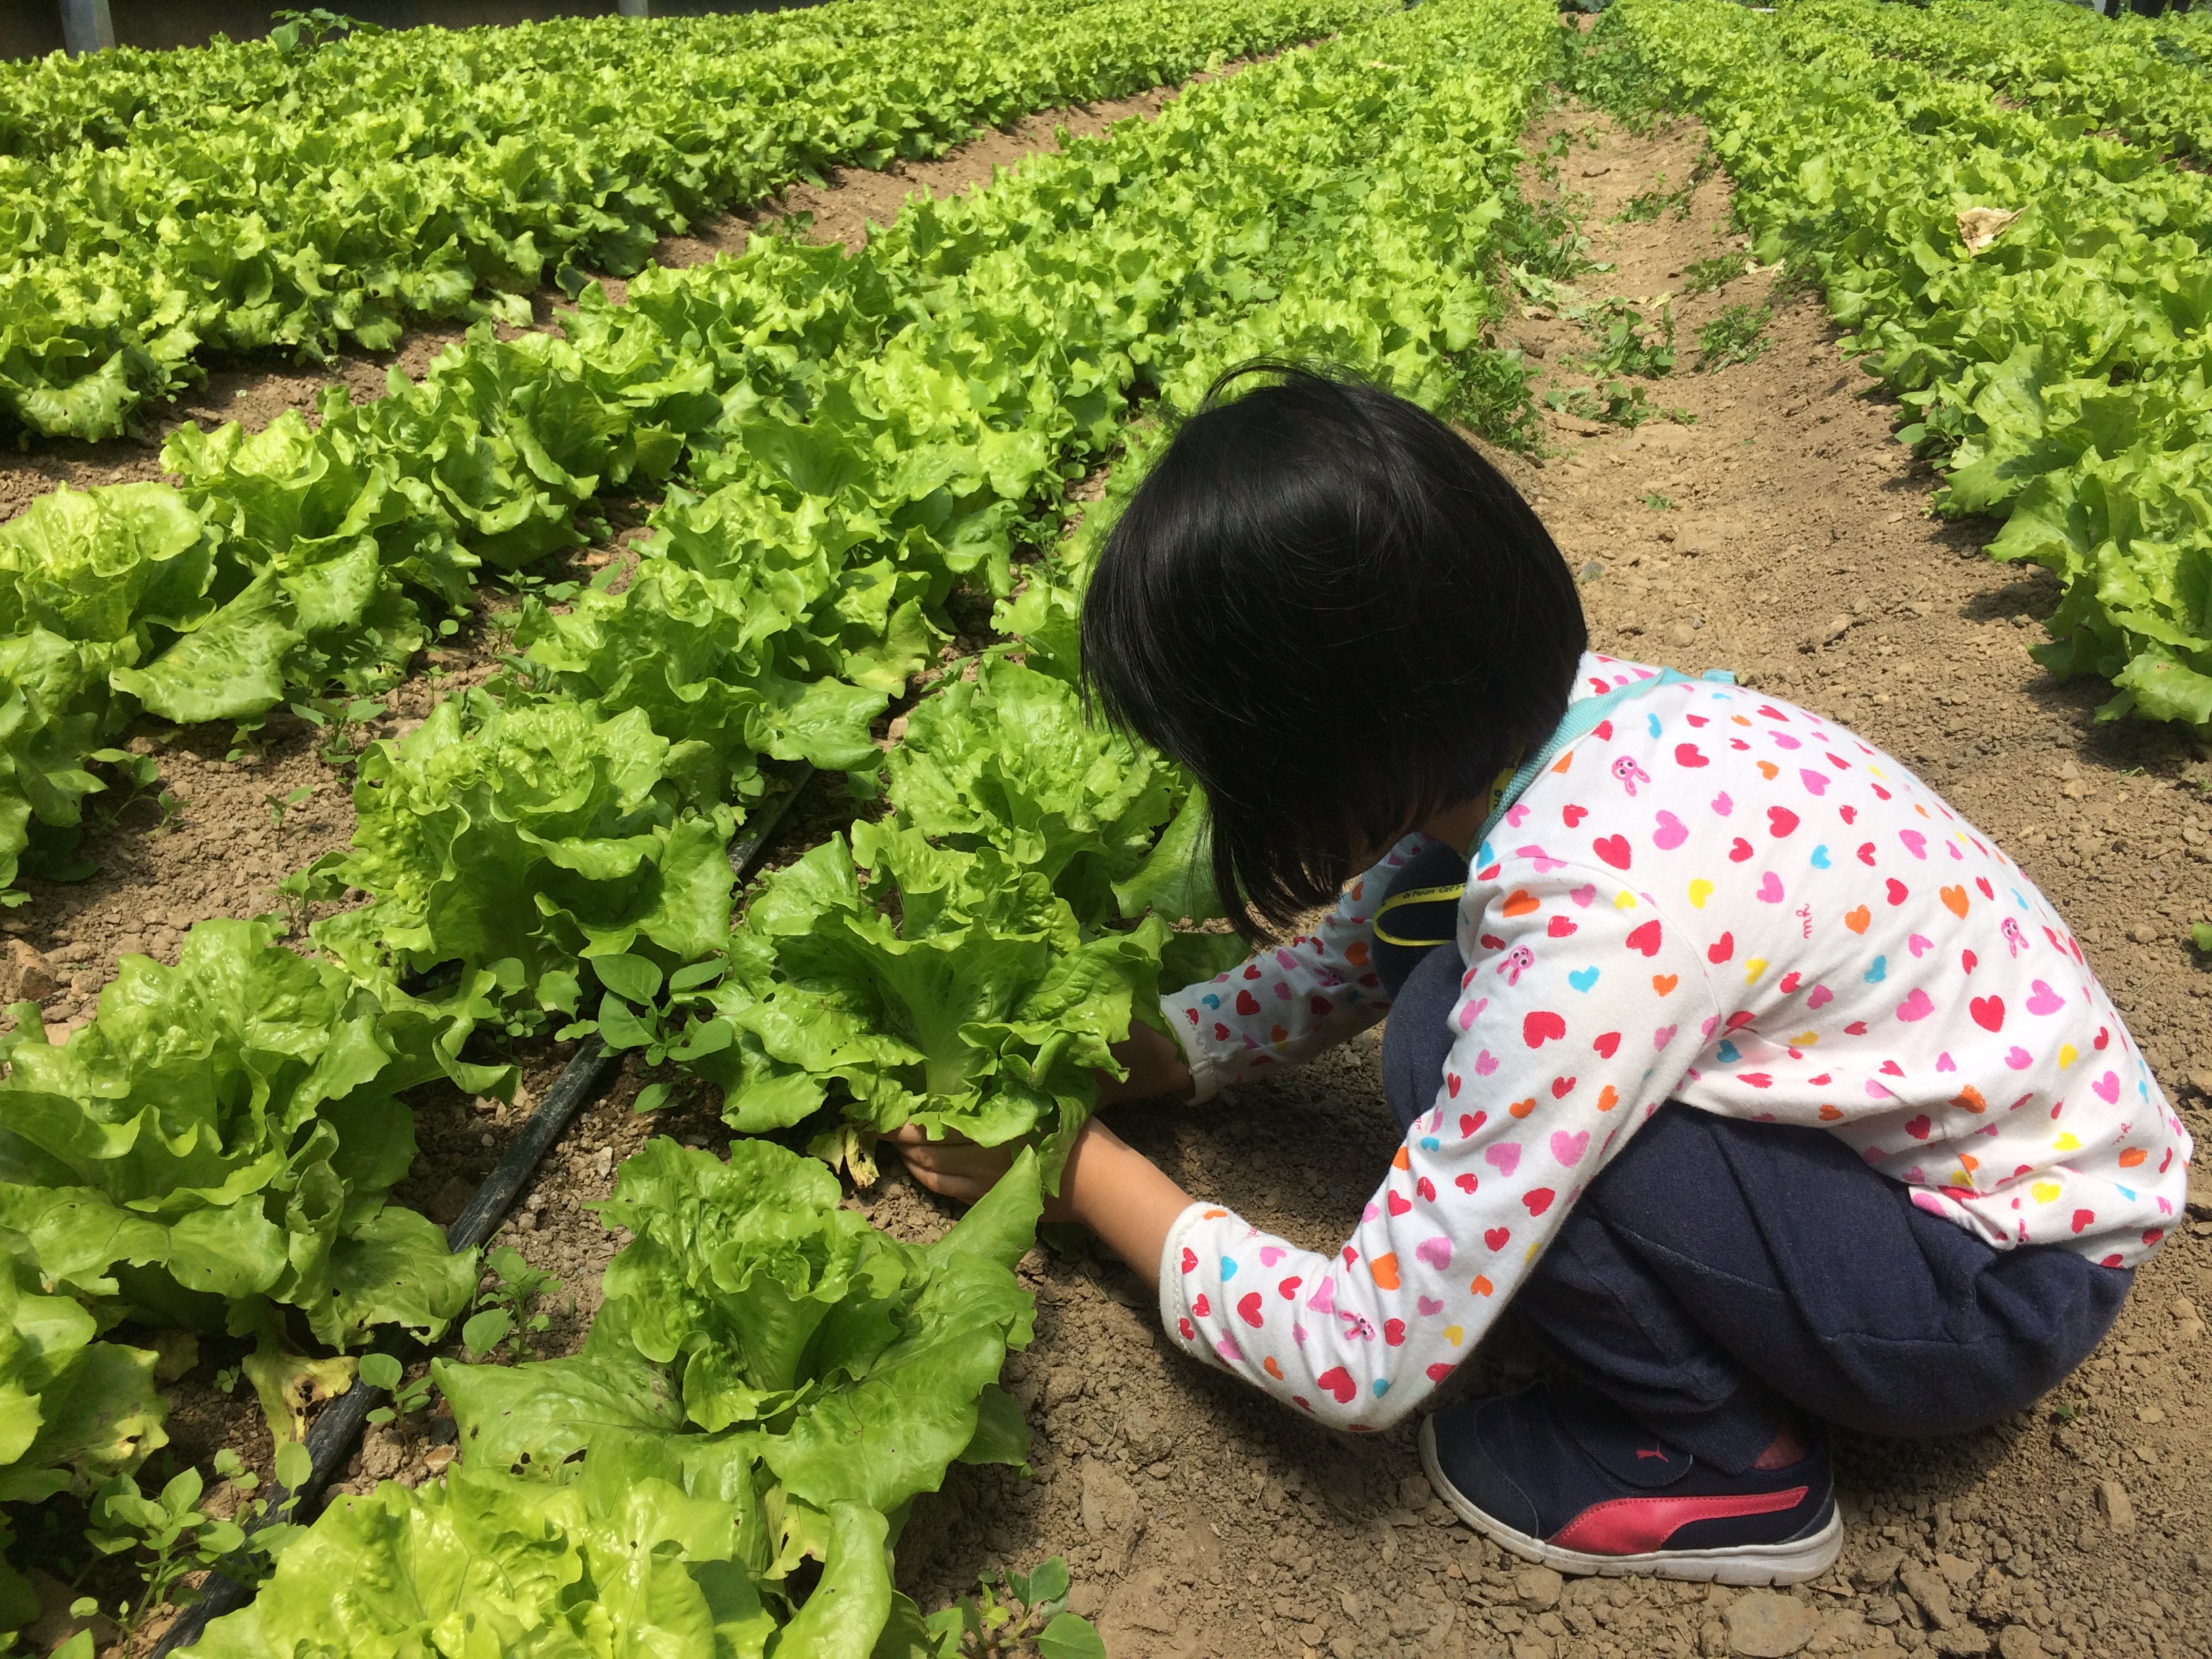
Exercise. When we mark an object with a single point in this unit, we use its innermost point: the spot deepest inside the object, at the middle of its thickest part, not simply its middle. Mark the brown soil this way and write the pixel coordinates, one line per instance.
(1200, 1518)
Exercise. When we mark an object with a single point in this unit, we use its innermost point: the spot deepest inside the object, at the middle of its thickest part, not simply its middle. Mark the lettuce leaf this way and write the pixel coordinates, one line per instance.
(224, 1131)
(498, 845)
(1007, 760)
(930, 985)
(748, 1309)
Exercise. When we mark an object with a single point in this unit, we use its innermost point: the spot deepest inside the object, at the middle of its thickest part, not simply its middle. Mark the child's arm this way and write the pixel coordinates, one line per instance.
(1290, 1002)
(1581, 1018)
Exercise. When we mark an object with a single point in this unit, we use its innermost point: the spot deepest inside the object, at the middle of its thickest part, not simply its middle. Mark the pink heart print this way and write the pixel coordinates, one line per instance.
(1436, 1252)
(1722, 805)
(1663, 1036)
(1770, 889)
(2107, 1088)
(1671, 833)
(1919, 944)
(1916, 1007)
(2019, 1060)
(1819, 996)
(1817, 782)
(1484, 1063)
(2046, 1001)
(1504, 1157)
(1323, 1300)
(1583, 894)
(1569, 1148)
(1430, 1305)
(1270, 1254)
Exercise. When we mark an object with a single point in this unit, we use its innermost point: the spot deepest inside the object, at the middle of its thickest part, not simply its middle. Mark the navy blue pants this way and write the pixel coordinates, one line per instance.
(1795, 1276)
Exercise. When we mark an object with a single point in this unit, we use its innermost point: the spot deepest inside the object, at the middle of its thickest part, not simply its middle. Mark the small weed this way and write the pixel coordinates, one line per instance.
(1738, 334)
(1703, 275)
(1628, 342)
(381, 1370)
(280, 804)
(505, 1313)
(179, 1537)
(1657, 502)
(1031, 1616)
(1646, 207)
(343, 719)
(1614, 403)
(141, 773)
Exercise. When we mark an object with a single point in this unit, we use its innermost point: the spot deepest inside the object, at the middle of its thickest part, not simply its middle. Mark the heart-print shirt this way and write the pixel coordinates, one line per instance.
(1713, 896)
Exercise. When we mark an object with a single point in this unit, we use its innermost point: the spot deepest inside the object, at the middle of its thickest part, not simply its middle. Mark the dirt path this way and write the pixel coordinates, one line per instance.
(1781, 534)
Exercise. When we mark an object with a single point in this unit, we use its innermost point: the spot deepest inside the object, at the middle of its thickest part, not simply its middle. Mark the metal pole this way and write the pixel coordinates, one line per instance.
(86, 27)
(634, 8)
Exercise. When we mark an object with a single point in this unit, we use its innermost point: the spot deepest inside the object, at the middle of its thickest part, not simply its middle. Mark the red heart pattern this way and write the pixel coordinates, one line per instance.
(1904, 1073)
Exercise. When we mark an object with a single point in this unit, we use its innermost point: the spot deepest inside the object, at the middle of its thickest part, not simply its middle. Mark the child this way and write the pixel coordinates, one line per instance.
(1769, 1092)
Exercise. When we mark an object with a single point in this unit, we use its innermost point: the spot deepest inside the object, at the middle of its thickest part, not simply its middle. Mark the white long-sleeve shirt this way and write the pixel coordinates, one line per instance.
(1715, 897)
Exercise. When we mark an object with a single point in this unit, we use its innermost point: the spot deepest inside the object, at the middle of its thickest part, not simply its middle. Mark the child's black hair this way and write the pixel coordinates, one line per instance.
(1338, 615)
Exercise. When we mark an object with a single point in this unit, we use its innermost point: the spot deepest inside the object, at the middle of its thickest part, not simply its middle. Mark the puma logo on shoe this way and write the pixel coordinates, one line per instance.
(1657, 1452)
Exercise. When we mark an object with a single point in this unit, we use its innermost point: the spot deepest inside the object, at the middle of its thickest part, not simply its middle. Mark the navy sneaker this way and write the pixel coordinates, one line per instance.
(1556, 1474)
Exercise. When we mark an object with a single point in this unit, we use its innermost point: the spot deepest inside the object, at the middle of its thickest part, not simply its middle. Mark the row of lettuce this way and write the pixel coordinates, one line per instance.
(770, 1382)
(2034, 291)
(2140, 78)
(159, 207)
(311, 556)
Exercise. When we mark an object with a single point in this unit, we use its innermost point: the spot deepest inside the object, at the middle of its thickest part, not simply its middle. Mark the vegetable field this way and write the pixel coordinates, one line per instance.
(679, 665)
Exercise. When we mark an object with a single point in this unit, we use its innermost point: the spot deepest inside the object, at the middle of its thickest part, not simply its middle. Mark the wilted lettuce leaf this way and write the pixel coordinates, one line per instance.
(223, 1130)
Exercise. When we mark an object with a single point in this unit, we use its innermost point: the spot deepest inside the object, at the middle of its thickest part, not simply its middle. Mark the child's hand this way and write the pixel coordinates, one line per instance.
(1155, 1065)
(1107, 1185)
(956, 1166)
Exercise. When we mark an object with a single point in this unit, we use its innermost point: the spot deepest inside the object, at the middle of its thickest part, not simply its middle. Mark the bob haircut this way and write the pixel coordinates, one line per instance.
(1337, 616)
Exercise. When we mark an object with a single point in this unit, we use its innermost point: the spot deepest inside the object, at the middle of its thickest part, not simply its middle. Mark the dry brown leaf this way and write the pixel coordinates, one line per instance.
(1980, 226)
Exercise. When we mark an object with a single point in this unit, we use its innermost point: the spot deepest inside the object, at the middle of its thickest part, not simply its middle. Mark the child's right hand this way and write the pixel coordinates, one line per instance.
(1155, 1064)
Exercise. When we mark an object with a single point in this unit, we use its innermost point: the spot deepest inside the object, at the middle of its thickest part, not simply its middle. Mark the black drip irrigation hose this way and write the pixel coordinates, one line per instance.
(331, 1438)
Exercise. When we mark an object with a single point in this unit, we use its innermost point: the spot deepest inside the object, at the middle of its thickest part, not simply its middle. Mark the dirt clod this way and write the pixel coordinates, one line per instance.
(2113, 1504)
(1763, 1624)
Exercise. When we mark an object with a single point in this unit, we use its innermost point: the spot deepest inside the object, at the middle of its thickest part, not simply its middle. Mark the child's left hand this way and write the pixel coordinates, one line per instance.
(956, 1168)
(1107, 1185)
